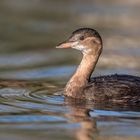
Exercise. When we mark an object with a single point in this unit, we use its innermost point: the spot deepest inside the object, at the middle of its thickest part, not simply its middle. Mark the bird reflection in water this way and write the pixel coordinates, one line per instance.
(80, 113)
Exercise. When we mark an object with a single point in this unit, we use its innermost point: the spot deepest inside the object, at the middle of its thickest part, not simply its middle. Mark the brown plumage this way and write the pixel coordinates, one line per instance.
(112, 88)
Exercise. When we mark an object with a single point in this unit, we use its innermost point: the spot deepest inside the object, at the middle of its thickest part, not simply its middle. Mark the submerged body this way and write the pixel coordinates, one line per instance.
(112, 88)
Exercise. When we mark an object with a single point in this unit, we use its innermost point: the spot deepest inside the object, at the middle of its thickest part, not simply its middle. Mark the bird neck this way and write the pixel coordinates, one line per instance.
(85, 68)
(82, 75)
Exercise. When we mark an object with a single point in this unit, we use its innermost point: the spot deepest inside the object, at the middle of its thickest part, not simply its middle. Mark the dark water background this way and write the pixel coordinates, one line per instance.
(31, 102)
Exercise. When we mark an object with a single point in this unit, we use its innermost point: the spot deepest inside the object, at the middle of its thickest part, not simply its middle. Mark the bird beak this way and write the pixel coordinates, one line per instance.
(64, 45)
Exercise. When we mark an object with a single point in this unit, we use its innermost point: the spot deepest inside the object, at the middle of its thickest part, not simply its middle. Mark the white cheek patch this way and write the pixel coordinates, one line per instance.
(77, 46)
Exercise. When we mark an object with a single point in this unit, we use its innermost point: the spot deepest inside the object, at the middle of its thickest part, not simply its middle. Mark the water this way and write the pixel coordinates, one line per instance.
(33, 73)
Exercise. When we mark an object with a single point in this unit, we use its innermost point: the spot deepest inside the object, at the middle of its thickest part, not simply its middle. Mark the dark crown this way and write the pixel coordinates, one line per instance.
(86, 32)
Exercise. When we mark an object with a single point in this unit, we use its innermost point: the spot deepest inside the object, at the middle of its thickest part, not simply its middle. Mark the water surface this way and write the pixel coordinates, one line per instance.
(33, 73)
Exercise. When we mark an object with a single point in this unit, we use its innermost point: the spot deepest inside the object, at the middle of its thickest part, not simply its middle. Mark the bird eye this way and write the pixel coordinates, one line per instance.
(94, 42)
(81, 37)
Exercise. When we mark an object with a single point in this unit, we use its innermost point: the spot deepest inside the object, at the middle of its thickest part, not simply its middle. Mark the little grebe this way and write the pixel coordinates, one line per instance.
(112, 88)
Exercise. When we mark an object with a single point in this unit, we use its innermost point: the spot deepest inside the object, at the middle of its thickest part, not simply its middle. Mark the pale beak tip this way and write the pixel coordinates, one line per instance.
(57, 47)
(64, 45)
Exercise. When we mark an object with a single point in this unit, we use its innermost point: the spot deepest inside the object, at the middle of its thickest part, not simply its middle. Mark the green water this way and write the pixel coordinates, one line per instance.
(33, 73)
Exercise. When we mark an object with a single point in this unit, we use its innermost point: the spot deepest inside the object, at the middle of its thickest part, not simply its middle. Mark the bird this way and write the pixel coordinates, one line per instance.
(114, 88)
